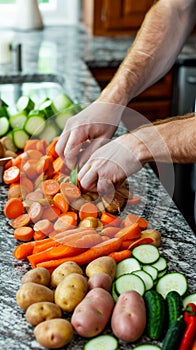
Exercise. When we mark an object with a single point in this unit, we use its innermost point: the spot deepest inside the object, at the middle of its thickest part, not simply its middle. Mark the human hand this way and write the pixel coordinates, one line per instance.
(88, 130)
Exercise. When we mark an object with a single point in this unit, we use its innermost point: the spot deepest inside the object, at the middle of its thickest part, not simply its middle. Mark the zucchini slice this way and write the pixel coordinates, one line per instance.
(127, 266)
(160, 264)
(35, 124)
(153, 272)
(173, 281)
(19, 137)
(62, 101)
(4, 126)
(107, 342)
(130, 282)
(25, 103)
(146, 278)
(18, 120)
(146, 253)
(147, 347)
(48, 108)
(50, 132)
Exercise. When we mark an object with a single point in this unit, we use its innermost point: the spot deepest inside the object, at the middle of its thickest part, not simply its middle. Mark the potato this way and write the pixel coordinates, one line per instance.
(70, 291)
(64, 270)
(30, 293)
(100, 280)
(103, 264)
(54, 334)
(42, 311)
(93, 313)
(38, 275)
(129, 316)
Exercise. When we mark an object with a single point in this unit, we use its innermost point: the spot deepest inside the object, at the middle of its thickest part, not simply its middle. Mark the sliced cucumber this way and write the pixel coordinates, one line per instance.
(160, 264)
(73, 175)
(162, 273)
(127, 266)
(146, 253)
(35, 124)
(153, 272)
(50, 132)
(130, 282)
(146, 347)
(19, 137)
(114, 293)
(102, 342)
(172, 281)
(48, 108)
(63, 116)
(18, 120)
(62, 101)
(25, 103)
(4, 126)
(146, 278)
(191, 298)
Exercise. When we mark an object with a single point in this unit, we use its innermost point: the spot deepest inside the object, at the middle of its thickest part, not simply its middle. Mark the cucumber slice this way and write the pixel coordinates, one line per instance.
(19, 137)
(4, 126)
(35, 124)
(162, 273)
(172, 281)
(146, 253)
(102, 342)
(62, 101)
(147, 347)
(25, 103)
(50, 132)
(63, 116)
(151, 270)
(191, 298)
(48, 108)
(114, 293)
(160, 264)
(130, 282)
(127, 266)
(18, 120)
(73, 175)
(146, 278)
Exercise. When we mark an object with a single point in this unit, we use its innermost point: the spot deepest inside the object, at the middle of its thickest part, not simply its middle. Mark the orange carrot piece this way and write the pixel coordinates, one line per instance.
(109, 219)
(26, 184)
(50, 187)
(43, 164)
(88, 209)
(61, 202)
(70, 191)
(51, 212)
(126, 243)
(58, 165)
(110, 231)
(29, 168)
(15, 191)
(45, 226)
(121, 255)
(132, 218)
(21, 220)
(50, 150)
(23, 250)
(45, 245)
(24, 233)
(140, 241)
(88, 240)
(129, 232)
(134, 200)
(35, 211)
(13, 208)
(37, 235)
(30, 144)
(65, 222)
(11, 174)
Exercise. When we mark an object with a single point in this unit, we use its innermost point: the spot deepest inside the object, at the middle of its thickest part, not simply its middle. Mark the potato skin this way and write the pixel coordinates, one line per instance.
(64, 270)
(100, 280)
(129, 316)
(103, 264)
(38, 275)
(70, 291)
(30, 293)
(54, 334)
(42, 311)
(93, 313)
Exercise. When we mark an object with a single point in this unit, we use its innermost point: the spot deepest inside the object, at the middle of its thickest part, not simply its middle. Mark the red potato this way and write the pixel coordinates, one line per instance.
(129, 316)
(100, 280)
(93, 313)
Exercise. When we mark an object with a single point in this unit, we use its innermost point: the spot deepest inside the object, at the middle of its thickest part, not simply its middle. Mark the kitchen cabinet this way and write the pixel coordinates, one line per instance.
(116, 17)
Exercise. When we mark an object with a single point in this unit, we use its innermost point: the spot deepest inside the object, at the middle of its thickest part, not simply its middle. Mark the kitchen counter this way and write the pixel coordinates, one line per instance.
(65, 53)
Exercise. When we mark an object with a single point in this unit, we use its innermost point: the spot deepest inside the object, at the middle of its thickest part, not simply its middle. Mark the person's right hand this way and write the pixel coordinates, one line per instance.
(88, 130)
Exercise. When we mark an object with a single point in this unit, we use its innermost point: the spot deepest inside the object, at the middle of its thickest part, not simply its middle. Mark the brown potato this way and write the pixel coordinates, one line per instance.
(129, 316)
(30, 293)
(100, 280)
(54, 334)
(42, 311)
(93, 313)
(103, 264)
(89, 221)
(64, 270)
(70, 291)
(38, 275)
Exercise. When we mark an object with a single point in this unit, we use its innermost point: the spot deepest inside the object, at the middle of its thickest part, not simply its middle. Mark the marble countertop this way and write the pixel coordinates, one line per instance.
(63, 55)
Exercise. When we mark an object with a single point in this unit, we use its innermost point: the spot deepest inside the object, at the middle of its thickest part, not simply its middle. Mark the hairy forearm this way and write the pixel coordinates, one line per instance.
(173, 140)
(154, 50)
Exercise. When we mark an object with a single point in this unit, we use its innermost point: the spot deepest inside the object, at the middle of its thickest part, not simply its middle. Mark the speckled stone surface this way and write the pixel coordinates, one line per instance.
(69, 49)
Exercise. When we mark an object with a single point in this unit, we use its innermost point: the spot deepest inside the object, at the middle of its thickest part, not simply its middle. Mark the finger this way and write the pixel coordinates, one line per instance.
(72, 148)
(90, 149)
(87, 177)
(60, 146)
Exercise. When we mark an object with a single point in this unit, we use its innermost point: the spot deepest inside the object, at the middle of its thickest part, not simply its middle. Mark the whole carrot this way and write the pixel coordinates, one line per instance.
(121, 255)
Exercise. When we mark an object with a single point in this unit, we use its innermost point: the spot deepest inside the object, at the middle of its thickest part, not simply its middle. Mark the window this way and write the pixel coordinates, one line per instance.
(54, 12)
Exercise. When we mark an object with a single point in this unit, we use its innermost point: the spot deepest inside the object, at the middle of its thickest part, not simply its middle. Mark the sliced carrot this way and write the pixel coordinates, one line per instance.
(44, 226)
(50, 150)
(42, 146)
(51, 212)
(61, 202)
(126, 243)
(88, 209)
(132, 218)
(88, 240)
(11, 174)
(50, 187)
(110, 231)
(58, 165)
(29, 168)
(35, 211)
(13, 208)
(134, 200)
(43, 164)
(33, 196)
(129, 232)
(30, 144)
(21, 220)
(109, 219)
(33, 154)
(48, 243)
(70, 191)
(26, 184)
(37, 235)
(24, 233)
(15, 191)
(23, 250)
(140, 241)
(65, 222)
(71, 236)
(121, 255)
